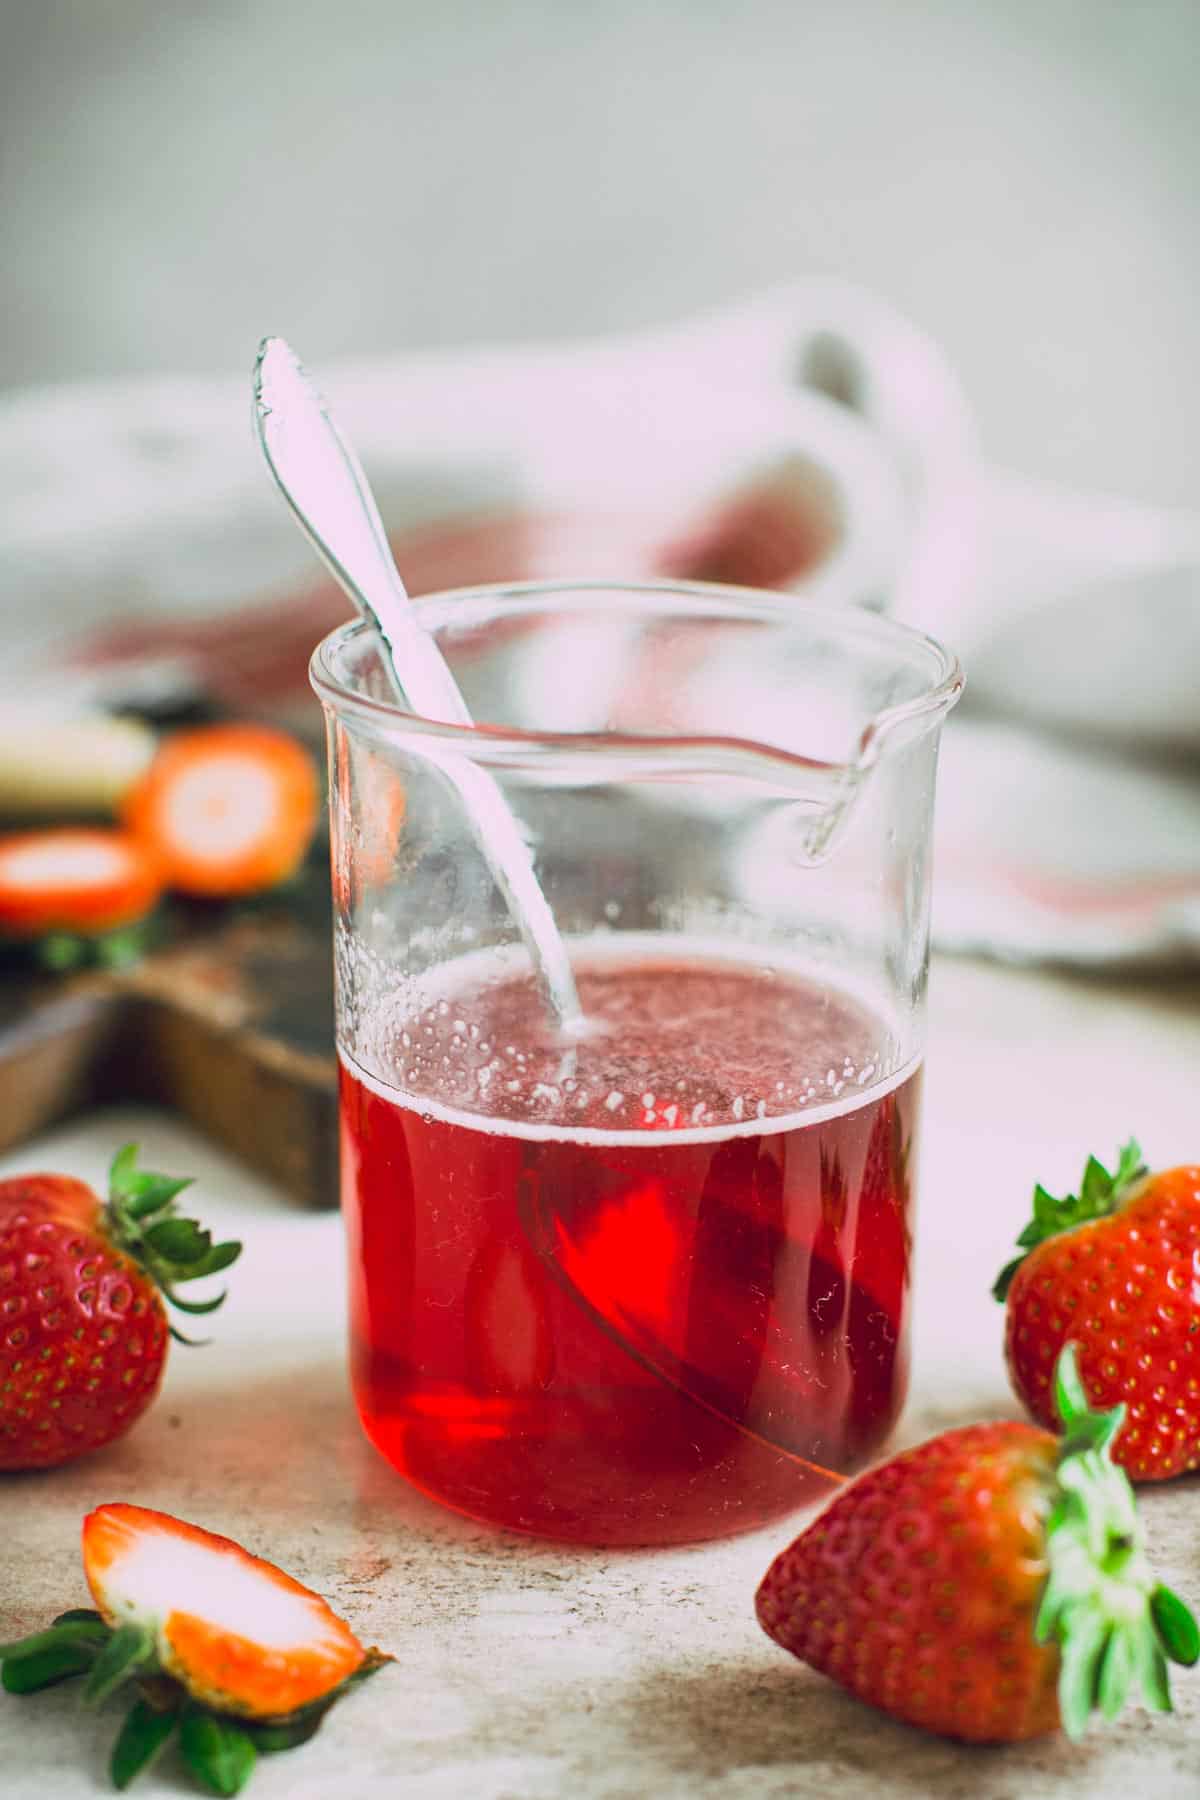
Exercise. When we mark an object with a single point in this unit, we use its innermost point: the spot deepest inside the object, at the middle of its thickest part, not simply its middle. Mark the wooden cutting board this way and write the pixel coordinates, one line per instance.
(230, 1024)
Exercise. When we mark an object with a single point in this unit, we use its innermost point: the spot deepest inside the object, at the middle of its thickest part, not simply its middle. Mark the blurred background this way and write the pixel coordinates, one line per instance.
(1016, 176)
(898, 298)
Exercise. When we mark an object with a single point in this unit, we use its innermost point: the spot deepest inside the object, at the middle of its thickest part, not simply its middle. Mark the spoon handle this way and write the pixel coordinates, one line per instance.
(320, 477)
(322, 480)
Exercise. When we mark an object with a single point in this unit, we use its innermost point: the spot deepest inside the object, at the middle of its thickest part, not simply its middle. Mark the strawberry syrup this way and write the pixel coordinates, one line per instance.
(654, 1293)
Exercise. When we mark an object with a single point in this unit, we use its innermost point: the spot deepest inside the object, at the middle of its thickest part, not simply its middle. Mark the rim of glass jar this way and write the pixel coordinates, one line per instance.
(484, 742)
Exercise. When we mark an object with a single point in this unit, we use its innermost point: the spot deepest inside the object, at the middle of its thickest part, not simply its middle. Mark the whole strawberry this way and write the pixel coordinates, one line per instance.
(83, 1327)
(988, 1585)
(1114, 1268)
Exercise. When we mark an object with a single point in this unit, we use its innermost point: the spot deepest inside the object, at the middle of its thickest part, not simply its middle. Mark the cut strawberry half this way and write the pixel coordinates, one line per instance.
(238, 1655)
(229, 809)
(237, 1632)
(75, 879)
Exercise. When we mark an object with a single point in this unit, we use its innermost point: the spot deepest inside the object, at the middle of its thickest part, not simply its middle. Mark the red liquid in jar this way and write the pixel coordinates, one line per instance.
(654, 1296)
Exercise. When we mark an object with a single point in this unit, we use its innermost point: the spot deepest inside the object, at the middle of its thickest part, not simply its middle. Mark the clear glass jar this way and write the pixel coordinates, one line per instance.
(650, 1284)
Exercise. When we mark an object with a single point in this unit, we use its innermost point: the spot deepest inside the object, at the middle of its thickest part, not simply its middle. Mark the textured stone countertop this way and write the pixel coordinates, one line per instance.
(531, 1672)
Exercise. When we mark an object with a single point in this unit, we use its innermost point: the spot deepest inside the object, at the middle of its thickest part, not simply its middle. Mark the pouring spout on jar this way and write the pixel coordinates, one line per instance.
(820, 747)
(885, 737)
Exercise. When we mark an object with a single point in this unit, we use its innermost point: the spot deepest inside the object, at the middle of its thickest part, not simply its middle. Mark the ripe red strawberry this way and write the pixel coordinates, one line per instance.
(987, 1585)
(83, 1328)
(224, 1647)
(1115, 1269)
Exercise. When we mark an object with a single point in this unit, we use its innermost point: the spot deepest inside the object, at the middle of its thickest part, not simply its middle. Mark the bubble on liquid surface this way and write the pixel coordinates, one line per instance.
(677, 1039)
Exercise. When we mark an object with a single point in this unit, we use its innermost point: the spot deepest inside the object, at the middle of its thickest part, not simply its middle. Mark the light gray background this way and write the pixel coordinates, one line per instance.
(1018, 175)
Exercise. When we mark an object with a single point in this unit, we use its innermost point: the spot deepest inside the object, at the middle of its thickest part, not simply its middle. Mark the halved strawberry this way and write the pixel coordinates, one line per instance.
(236, 1653)
(75, 878)
(226, 809)
(236, 1631)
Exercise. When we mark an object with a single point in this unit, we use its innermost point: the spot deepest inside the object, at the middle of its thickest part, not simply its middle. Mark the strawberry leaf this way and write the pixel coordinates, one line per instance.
(1178, 1632)
(43, 1668)
(1096, 1187)
(1099, 1195)
(1004, 1280)
(122, 1169)
(286, 1734)
(212, 1262)
(179, 1241)
(150, 1193)
(179, 1337)
(1082, 1428)
(1152, 1669)
(141, 1220)
(1116, 1674)
(85, 1633)
(219, 1753)
(60, 951)
(130, 1648)
(1082, 1656)
(141, 1737)
(193, 1306)
(1101, 1603)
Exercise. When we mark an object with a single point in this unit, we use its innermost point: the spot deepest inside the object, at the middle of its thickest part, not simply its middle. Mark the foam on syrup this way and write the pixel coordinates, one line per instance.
(684, 1037)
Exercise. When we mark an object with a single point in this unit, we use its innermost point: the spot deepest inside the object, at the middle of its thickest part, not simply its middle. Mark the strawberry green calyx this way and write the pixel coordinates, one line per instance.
(220, 1749)
(1116, 1626)
(141, 1219)
(1100, 1193)
(68, 1646)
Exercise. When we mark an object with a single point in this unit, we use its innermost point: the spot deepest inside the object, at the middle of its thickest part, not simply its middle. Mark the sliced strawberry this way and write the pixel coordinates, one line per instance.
(238, 1633)
(226, 1651)
(75, 878)
(227, 809)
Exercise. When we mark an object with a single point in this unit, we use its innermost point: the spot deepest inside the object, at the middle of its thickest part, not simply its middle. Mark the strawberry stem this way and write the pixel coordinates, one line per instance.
(1113, 1621)
(1100, 1193)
